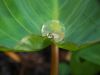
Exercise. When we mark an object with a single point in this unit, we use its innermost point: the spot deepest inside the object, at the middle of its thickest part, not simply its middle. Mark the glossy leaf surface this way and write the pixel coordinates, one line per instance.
(20, 18)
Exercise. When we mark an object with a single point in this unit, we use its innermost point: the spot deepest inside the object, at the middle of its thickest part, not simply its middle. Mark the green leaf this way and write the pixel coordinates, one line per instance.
(64, 69)
(91, 53)
(68, 46)
(80, 66)
(82, 21)
(33, 43)
(20, 18)
(4, 49)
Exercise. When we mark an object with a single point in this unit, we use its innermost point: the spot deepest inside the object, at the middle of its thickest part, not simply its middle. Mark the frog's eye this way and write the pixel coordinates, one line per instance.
(53, 29)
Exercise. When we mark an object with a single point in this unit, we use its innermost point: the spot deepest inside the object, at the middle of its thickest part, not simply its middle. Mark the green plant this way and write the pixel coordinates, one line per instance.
(81, 20)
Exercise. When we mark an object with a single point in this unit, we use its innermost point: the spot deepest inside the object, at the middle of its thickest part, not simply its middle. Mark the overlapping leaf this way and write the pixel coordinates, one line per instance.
(33, 43)
(91, 53)
(80, 66)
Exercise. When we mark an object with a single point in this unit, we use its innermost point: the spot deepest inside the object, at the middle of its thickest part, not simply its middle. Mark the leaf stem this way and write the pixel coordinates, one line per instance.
(54, 59)
(13, 56)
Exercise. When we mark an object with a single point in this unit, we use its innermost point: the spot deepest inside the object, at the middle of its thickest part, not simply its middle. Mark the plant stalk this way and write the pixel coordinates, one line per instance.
(54, 59)
(13, 56)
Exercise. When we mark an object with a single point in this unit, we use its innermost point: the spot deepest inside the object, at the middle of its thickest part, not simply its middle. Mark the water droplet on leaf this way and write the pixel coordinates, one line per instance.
(53, 29)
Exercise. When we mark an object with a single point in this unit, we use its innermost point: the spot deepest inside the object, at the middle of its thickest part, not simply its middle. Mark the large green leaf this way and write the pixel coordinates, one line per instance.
(86, 61)
(91, 53)
(20, 18)
(80, 66)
